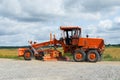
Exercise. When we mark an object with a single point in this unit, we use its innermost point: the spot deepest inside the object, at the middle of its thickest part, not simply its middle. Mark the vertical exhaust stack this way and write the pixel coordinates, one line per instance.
(50, 39)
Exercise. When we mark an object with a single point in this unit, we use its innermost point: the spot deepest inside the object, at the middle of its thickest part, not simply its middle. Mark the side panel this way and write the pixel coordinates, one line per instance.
(96, 43)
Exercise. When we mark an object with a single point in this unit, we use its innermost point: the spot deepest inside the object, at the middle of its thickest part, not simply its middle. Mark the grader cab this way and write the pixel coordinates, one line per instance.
(82, 49)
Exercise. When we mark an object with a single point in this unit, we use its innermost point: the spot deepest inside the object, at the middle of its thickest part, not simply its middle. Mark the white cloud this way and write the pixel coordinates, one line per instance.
(92, 9)
(18, 33)
(117, 19)
(23, 20)
(38, 7)
(105, 24)
(10, 7)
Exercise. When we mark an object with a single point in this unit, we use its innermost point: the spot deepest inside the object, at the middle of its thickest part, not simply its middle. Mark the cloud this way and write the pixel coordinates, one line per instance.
(117, 20)
(91, 5)
(18, 33)
(23, 20)
(105, 24)
(39, 7)
(31, 11)
(106, 29)
(10, 8)
(91, 9)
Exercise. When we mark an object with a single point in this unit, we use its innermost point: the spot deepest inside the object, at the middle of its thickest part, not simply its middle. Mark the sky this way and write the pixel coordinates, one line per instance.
(24, 20)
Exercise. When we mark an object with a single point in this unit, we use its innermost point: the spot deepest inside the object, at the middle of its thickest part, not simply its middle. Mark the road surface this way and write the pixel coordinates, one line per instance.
(58, 70)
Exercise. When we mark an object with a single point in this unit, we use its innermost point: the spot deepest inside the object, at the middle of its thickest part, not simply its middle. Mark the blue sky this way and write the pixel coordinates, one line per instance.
(23, 20)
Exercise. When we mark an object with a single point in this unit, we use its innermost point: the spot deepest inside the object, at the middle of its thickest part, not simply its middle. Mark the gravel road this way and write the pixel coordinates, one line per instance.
(58, 70)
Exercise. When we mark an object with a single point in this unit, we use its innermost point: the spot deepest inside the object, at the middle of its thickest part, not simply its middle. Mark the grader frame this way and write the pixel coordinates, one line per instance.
(82, 49)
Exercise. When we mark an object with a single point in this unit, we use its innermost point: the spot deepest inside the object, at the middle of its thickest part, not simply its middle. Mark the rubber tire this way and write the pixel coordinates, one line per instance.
(83, 54)
(96, 53)
(26, 53)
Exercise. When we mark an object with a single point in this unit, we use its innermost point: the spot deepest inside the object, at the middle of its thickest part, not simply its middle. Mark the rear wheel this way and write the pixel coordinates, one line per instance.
(79, 56)
(27, 55)
(93, 56)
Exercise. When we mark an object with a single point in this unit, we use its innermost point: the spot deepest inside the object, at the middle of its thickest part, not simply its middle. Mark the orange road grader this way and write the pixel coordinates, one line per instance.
(82, 49)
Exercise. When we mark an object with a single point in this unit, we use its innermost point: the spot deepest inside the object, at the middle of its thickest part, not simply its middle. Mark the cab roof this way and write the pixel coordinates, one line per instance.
(69, 28)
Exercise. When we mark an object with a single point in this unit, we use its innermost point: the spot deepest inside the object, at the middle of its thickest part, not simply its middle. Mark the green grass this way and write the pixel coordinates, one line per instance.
(108, 57)
(110, 54)
(9, 53)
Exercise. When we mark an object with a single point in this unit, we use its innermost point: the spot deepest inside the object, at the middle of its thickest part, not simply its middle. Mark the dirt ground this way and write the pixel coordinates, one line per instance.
(58, 70)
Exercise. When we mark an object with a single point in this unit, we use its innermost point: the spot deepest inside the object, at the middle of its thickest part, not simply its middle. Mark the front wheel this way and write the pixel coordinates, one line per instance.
(93, 56)
(27, 55)
(79, 56)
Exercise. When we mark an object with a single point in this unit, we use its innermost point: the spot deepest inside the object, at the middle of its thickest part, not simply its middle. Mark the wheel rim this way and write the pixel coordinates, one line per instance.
(79, 56)
(27, 55)
(92, 56)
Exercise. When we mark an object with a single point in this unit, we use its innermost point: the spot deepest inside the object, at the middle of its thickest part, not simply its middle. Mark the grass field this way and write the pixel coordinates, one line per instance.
(9, 53)
(110, 54)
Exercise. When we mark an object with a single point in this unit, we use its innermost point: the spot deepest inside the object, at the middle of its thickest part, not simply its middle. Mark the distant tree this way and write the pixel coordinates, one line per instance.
(109, 45)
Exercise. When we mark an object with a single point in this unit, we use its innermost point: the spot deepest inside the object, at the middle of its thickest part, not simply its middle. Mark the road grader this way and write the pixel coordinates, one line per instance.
(81, 48)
